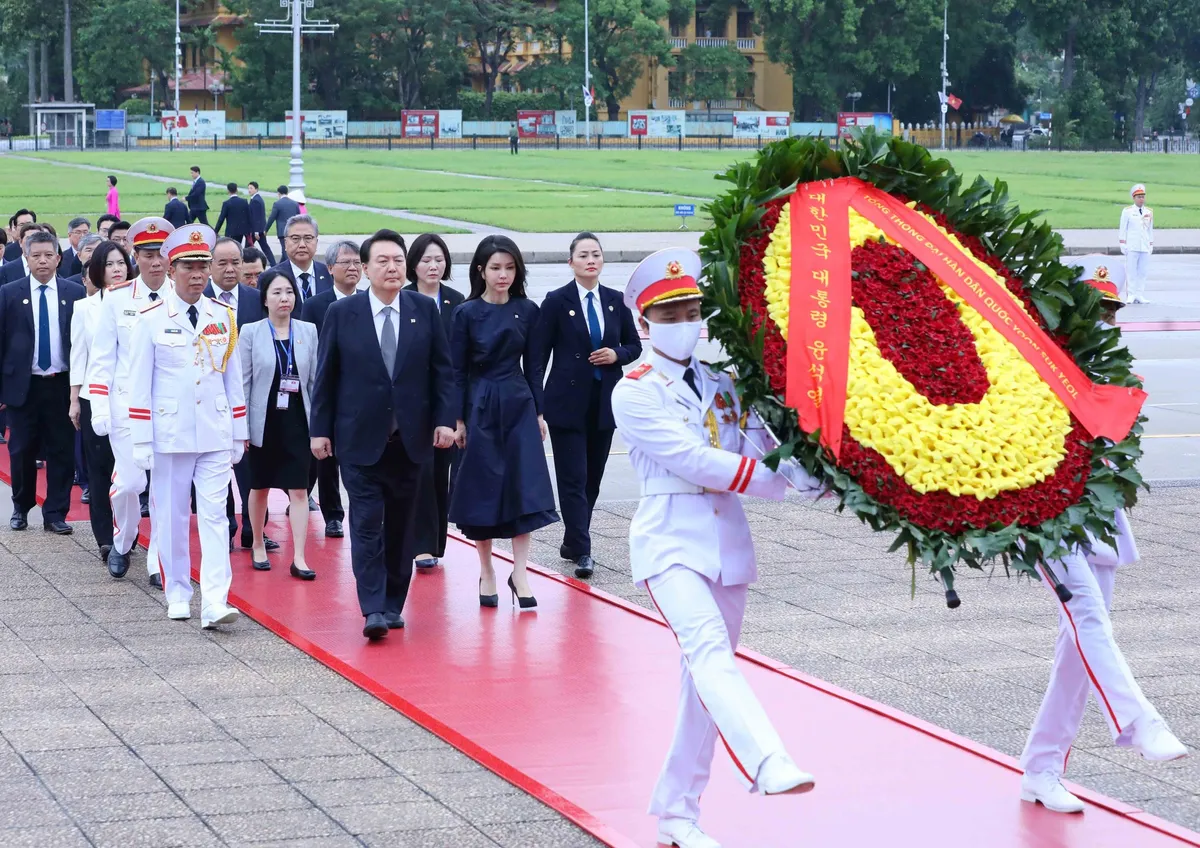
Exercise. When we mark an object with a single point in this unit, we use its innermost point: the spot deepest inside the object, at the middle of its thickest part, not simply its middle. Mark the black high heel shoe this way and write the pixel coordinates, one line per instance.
(525, 603)
(487, 600)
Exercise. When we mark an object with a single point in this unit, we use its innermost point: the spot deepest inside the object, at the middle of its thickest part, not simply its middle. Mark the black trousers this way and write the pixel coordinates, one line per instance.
(579, 460)
(433, 506)
(199, 217)
(260, 241)
(324, 476)
(98, 455)
(43, 425)
(383, 499)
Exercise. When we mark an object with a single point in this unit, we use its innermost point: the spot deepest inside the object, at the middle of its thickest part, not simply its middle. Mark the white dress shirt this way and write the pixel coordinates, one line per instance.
(57, 363)
(583, 294)
(377, 307)
(338, 294)
(311, 270)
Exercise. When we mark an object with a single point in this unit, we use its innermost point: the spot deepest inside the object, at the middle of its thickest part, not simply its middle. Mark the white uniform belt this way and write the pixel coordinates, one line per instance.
(670, 486)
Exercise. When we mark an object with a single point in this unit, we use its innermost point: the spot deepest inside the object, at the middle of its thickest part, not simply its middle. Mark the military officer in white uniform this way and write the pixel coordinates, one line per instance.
(109, 384)
(188, 414)
(690, 544)
(1086, 657)
(1137, 243)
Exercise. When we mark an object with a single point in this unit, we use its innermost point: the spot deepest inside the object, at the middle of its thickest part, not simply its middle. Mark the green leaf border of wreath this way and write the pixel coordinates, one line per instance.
(1030, 249)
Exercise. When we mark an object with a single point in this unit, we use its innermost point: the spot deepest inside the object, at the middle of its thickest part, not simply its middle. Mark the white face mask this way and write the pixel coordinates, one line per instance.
(676, 341)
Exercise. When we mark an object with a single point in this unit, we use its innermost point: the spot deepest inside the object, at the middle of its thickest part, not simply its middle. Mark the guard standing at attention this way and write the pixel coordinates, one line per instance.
(108, 380)
(1137, 243)
(188, 415)
(690, 544)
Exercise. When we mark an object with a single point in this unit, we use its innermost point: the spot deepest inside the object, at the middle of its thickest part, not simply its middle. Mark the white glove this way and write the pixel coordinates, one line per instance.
(1123, 250)
(236, 452)
(800, 479)
(143, 457)
(100, 425)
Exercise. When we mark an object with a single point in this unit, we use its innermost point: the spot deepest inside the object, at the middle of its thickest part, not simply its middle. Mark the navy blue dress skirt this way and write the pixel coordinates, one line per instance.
(503, 485)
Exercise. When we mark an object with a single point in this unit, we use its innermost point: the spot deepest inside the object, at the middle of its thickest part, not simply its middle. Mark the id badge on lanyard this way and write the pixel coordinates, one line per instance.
(289, 381)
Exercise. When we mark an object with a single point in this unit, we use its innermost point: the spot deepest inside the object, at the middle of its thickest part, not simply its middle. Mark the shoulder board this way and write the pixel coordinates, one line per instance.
(123, 285)
(226, 306)
(154, 305)
(639, 372)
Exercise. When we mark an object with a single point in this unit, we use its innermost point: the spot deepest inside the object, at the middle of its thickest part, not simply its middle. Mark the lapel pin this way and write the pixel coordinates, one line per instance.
(412, 320)
(26, 301)
(64, 303)
(571, 313)
(610, 309)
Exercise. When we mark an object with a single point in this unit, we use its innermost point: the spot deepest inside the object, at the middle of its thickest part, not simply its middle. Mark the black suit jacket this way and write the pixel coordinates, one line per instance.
(176, 212)
(258, 214)
(196, 201)
(12, 271)
(282, 211)
(448, 300)
(315, 307)
(235, 215)
(562, 330)
(323, 281)
(78, 278)
(16, 335)
(354, 401)
(70, 265)
(12, 251)
(249, 303)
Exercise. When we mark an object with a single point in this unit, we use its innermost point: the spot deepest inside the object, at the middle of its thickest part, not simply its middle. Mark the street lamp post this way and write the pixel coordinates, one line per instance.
(945, 72)
(178, 70)
(587, 77)
(298, 23)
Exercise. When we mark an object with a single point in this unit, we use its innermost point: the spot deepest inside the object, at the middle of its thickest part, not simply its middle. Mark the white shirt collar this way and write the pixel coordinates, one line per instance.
(311, 270)
(377, 305)
(53, 284)
(584, 292)
(219, 294)
(338, 294)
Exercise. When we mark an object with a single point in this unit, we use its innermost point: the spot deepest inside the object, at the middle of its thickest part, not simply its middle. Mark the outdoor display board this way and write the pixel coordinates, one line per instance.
(318, 125)
(545, 123)
(110, 120)
(450, 123)
(850, 121)
(419, 123)
(657, 123)
(762, 124)
(194, 125)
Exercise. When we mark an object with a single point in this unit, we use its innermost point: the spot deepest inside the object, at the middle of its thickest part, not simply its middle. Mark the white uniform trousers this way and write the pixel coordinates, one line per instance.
(171, 480)
(128, 483)
(714, 698)
(1086, 658)
(1137, 268)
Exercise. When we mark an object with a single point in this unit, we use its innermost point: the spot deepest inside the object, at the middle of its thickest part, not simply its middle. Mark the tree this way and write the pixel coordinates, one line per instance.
(494, 27)
(118, 40)
(712, 73)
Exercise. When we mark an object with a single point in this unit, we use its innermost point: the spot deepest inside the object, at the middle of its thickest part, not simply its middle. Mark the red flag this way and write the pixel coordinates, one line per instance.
(954, 102)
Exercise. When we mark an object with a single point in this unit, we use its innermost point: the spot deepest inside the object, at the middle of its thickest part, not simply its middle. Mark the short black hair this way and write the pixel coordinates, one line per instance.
(391, 236)
(96, 270)
(105, 218)
(78, 222)
(3, 236)
(489, 247)
(112, 180)
(253, 183)
(172, 191)
(231, 188)
(253, 254)
(584, 236)
(12, 222)
(119, 225)
(419, 246)
(282, 190)
(196, 169)
(264, 282)
(40, 237)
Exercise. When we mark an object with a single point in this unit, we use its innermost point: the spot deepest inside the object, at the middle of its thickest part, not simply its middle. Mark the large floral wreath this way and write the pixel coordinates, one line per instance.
(950, 430)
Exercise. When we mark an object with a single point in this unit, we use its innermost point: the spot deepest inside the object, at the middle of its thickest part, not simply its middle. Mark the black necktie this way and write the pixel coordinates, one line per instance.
(154, 295)
(689, 377)
(193, 316)
(304, 287)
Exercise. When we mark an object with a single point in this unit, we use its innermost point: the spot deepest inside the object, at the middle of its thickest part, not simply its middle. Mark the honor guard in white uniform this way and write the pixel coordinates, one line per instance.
(1137, 243)
(109, 385)
(188, 414)
(1086, 657)
(690, 545)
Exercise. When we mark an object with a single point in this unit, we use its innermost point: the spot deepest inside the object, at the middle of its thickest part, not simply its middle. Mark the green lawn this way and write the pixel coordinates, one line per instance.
(570, 190)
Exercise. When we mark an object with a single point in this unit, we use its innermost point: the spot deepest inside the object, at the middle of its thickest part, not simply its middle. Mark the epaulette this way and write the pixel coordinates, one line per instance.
(154, 305)
(123, 285)
(640, 372)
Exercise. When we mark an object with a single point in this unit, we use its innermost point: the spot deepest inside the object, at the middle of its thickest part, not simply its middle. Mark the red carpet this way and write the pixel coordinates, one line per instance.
(575, 704)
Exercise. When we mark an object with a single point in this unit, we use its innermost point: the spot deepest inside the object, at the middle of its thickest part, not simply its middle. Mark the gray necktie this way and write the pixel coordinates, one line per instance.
(387, 341)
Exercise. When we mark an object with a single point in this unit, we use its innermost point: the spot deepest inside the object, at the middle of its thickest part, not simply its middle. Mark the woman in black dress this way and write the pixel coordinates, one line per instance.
(502, 490)
(279, 365)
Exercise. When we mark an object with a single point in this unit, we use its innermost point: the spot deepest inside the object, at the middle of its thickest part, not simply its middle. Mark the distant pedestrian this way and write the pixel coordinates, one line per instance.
(176, 210)
(282, 211)
(235, 216)
(258, 223)
(1137, 243)
(113, 199)
(514, 140)
(196, 202)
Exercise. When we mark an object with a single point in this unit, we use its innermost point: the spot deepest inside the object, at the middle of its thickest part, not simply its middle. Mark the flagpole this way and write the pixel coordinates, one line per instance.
(587, 77)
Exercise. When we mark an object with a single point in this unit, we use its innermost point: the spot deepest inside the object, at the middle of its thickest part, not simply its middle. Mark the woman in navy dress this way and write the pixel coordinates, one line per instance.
(503, 486)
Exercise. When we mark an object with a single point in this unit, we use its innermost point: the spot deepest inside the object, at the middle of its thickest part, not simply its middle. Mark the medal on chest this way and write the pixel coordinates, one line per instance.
(218, 334)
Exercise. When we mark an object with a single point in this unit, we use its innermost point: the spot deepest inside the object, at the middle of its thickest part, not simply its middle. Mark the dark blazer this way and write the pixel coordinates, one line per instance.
(176, 212)
(258, 214)
(314, 309)
(284, 210)
(448, 300)
(70, 265)
(12, 251)
(235, 215)
(16, 335)
(323, 281)
(12, 271)
(562, 330)
(196, 202)
(354, 402)
(78, 278)
(249, 303)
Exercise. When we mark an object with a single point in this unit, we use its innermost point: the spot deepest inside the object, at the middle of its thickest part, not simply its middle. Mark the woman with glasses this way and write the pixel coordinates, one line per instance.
(428, 270)
(108, 268)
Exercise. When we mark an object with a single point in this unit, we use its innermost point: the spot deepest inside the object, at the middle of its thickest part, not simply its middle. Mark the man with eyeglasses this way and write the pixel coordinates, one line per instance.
(78, 228)
(300, 244)
(104, 224)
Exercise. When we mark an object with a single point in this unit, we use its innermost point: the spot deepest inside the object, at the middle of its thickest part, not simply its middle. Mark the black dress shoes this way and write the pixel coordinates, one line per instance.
(312, 505)
(525, 603)
(584, 566)
(333, 529)
(395, 621)
(86, 496)
(156, 581)
(264, 565)
(58, 528)
(426, 563)
(18, 520)
(104, 549)
(376, 627)
(118, 563)
(268, 543)
(302, 573)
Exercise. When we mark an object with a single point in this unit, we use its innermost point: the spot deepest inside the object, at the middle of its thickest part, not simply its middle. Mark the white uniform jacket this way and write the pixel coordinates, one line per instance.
(108, 363)
(83, 333)
(1137, 228)
(688, 452)
(186, 391)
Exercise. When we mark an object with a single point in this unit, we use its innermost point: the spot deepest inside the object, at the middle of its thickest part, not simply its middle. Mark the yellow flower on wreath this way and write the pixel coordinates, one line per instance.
(1013, 438)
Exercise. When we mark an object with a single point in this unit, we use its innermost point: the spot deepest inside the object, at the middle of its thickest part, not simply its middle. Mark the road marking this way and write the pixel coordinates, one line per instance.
(1172, 436)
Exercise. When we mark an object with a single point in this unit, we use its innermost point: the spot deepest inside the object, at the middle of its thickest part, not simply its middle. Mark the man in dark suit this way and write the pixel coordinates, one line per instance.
(282, 211)
(344, 264)
(77, 229)
(591, 334)
(35, 350)
(196, 203)
(258, 222)
(300, 244)
(235, 215)
(13, 250)
(176, 210)
(384, 396)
